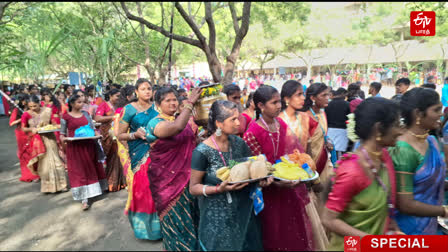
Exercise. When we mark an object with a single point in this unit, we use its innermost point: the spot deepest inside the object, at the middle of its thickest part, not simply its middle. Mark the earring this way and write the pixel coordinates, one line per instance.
(218, 132)
(418, 121)
(378, 138)
(314, 103)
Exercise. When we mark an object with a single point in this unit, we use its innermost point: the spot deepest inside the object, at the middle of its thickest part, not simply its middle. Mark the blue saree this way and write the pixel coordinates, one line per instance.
(140, 206)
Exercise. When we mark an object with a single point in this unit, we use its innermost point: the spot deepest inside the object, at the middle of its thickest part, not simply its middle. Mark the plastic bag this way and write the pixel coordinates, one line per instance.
(84, 131)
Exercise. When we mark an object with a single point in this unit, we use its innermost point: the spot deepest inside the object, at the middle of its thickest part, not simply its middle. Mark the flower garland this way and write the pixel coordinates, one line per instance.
(351, 123)
(351, 128)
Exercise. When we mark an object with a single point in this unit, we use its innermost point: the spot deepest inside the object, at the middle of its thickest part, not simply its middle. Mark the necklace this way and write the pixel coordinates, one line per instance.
(295, 125)
(220, 152)
(271, 137)
(140, 107)
(167, 117)
(390, 204)
(419, 137)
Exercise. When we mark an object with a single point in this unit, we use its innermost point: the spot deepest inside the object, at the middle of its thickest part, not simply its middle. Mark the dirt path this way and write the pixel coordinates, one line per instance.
(30, 220)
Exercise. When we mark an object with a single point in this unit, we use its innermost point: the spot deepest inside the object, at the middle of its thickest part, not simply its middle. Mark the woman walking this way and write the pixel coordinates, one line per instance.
(106, 115)
(140, 206)
(419, 165)
(22, 139)
(316, 100)
(44, 159)
(292, 101)
(127, 95)
(85, 172)
(224, 224)
(283, 200)
(298, 123)
(172, 143)
(362, 199)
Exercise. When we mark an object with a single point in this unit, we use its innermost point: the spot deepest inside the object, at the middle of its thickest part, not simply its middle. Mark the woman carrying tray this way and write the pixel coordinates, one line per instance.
(85, 172)
(298, 123)
(172, 143)
(140, 206)
(284, 201)
(105, 114)
(44, 159)
(419, 164)
(362, 198)
(22, 140)
(224, 224)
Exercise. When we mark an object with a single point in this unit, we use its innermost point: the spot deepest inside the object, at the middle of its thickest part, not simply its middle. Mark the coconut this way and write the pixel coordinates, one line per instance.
(258, 169)
(240, 172)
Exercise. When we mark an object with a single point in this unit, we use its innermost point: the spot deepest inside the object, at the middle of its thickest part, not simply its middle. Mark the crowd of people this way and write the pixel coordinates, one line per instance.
(381, 162)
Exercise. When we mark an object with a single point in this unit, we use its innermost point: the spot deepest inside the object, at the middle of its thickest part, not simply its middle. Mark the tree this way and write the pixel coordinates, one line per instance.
(240, 26)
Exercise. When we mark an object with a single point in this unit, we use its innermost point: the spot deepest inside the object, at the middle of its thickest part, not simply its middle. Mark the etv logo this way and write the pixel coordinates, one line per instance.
(423, 23)
(352, 243)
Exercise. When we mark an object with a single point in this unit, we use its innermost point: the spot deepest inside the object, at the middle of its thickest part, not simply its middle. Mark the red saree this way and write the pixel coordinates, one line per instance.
(22, 154)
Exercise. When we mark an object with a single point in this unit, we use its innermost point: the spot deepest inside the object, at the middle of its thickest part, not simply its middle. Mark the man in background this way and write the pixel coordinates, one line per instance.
(374, 89)
(401, 86)
(337, 111)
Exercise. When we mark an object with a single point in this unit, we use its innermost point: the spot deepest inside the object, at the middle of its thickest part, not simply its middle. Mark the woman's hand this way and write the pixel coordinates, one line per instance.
(225, 187)
(34, 130)
(140, 133)
(266, 182)
(329, 145)
(62, 138)
(286, 184)
(195, 94)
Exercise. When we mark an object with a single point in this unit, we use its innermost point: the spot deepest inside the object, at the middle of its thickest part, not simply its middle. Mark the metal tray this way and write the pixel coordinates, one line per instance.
(81, 138)
(316, 176)
(48, 131)
(248, 181)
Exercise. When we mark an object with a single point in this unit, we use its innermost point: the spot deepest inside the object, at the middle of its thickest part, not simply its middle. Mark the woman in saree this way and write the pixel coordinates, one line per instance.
(316, 100)
(85, 172)
(362, 199)
(172, 143)
(44, 159)
(223, 224)
(293, 98)
(105, 115)
(127, 95)
(140, 207)
(419, 165)
(22, 139)
(60, 95)
(283, 200)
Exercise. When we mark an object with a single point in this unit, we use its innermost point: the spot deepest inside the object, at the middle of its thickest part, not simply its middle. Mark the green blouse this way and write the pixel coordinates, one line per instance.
(407, 161)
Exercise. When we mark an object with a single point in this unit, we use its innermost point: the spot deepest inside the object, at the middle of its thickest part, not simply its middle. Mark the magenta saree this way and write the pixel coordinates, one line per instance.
(285, 223)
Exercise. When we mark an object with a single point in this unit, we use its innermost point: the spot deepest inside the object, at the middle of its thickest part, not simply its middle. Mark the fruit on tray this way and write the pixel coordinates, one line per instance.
(301, 159)
(289, 170)
(211, 91)
(256, 167)
(240, 172)
(49, 127)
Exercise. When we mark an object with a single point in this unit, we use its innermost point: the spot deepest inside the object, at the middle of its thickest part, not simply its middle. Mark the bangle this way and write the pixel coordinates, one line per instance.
(188, 106)
(203, 190)
(216, 188)
(132, 136)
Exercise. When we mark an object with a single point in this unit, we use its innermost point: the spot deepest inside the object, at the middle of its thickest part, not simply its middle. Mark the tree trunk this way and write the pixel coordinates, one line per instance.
(215, 67)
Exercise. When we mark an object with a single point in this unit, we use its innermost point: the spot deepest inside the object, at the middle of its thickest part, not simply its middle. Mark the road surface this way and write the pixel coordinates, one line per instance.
(31, 220)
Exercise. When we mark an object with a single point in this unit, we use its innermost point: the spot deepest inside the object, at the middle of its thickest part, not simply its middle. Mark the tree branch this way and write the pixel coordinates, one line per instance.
(187, 40)
(234, 17)
(242, 32)
(192, 25)
(3, 6)
(211, 26)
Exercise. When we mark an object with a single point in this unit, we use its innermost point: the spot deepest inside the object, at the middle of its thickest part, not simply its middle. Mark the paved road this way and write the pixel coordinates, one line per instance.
(30, 220)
